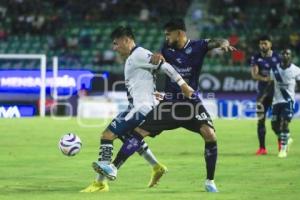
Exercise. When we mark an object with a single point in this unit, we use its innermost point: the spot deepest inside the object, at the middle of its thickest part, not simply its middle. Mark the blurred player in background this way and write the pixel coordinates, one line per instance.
(140, 84)
(284, 77)
(186, 56)
(260, 70)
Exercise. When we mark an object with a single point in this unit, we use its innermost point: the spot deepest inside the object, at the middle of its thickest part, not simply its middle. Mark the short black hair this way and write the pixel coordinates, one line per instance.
(264, 38)
(175, 24)
(122, 31)
(287, 50)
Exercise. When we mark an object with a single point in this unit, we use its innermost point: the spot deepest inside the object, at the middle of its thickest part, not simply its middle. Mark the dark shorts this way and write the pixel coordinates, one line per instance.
(172, 115)
(263, 103)
(283, 111)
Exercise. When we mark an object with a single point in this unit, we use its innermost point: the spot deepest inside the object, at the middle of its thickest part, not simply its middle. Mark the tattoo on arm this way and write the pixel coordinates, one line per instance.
(216, 43)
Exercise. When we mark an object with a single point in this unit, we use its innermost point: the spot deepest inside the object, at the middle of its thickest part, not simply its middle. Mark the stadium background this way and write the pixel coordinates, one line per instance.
(77, 32)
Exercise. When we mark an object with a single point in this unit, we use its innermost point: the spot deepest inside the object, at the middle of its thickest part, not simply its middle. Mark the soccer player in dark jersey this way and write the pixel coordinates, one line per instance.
(260, 70)
(175, 111)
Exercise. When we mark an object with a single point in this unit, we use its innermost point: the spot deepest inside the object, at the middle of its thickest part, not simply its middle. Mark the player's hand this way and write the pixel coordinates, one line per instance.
(187, 90)
(267, 79)
(156, 58)
(159, 96)
(228, 48)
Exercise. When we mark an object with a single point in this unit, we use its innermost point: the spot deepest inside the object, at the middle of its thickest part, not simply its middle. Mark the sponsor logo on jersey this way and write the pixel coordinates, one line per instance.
(188, 50)
(179, 60)
(113, 124)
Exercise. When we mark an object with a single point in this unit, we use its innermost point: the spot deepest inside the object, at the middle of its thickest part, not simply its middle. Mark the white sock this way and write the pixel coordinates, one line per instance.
(149, 157)
(100, 178)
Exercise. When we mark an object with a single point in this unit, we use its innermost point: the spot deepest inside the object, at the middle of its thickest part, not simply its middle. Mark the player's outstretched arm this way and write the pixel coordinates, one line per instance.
(220, 43)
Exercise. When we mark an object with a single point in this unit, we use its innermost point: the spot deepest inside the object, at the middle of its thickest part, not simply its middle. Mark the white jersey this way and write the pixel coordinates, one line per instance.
(139, 80)
(288, 83)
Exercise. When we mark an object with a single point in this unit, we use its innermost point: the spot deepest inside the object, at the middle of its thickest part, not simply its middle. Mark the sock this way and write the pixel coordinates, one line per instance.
(279, 143)
(283, 140)
(211, 153)
(100, 178)
(106, 151)
(261, 132)
(147, 154)
(128, 148)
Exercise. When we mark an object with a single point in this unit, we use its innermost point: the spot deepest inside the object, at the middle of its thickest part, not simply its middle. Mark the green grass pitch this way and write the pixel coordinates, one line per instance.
(32, 167)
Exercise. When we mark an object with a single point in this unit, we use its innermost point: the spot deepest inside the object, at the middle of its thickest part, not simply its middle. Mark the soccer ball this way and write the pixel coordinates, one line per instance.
(70, 144)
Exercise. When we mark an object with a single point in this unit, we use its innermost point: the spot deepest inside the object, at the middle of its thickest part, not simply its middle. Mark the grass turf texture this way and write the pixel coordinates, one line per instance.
(32, 167)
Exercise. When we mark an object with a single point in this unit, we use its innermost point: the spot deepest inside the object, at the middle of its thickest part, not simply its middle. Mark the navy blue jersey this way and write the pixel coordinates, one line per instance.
(264, 66)
(187, 62)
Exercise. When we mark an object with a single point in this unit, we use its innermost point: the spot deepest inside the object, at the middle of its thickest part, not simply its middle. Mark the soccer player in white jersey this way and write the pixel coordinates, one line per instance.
(284, 77)
(140, 83)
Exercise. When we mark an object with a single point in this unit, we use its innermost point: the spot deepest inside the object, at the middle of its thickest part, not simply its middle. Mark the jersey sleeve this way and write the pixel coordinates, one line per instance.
(203, 43)
(142, 59)
(297, 73)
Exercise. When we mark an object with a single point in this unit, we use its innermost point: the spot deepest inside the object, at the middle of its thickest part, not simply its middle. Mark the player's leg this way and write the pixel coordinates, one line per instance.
(210, 154)
(158, 169)
(105, 154)
(287, 113)
(203, 124)
(119, 126)
(143, 151)
(263, 105)
(275, 123)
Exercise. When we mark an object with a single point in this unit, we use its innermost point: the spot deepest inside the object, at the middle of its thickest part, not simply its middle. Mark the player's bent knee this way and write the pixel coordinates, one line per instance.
(108, 135)
(208, 133)
(141, 132)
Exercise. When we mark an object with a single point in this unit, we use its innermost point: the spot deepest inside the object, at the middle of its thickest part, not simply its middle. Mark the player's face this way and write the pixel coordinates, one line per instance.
(172, 38)
(265, 46)
(286, 55)
(121, 45)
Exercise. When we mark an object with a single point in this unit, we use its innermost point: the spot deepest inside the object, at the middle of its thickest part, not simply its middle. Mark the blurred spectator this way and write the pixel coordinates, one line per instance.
(233, 39)
(144, 14)
(238, 57)
(273, 19)
(85, 38)
(72, 42)
(108, 57)
(2, 12)
(3, 34)
(98, 59)
(286, 21)
(295, 41)
(197, 15)
(38, 23)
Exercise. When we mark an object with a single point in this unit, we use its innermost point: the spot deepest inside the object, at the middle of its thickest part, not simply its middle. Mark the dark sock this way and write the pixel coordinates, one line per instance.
(261, 132)
(211, 154)
(128, 148)
(106, 150)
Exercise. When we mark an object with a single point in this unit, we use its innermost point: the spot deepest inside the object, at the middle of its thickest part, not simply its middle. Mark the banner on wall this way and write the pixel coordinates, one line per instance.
(16, 111)
(227, 82)
(29, 81)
